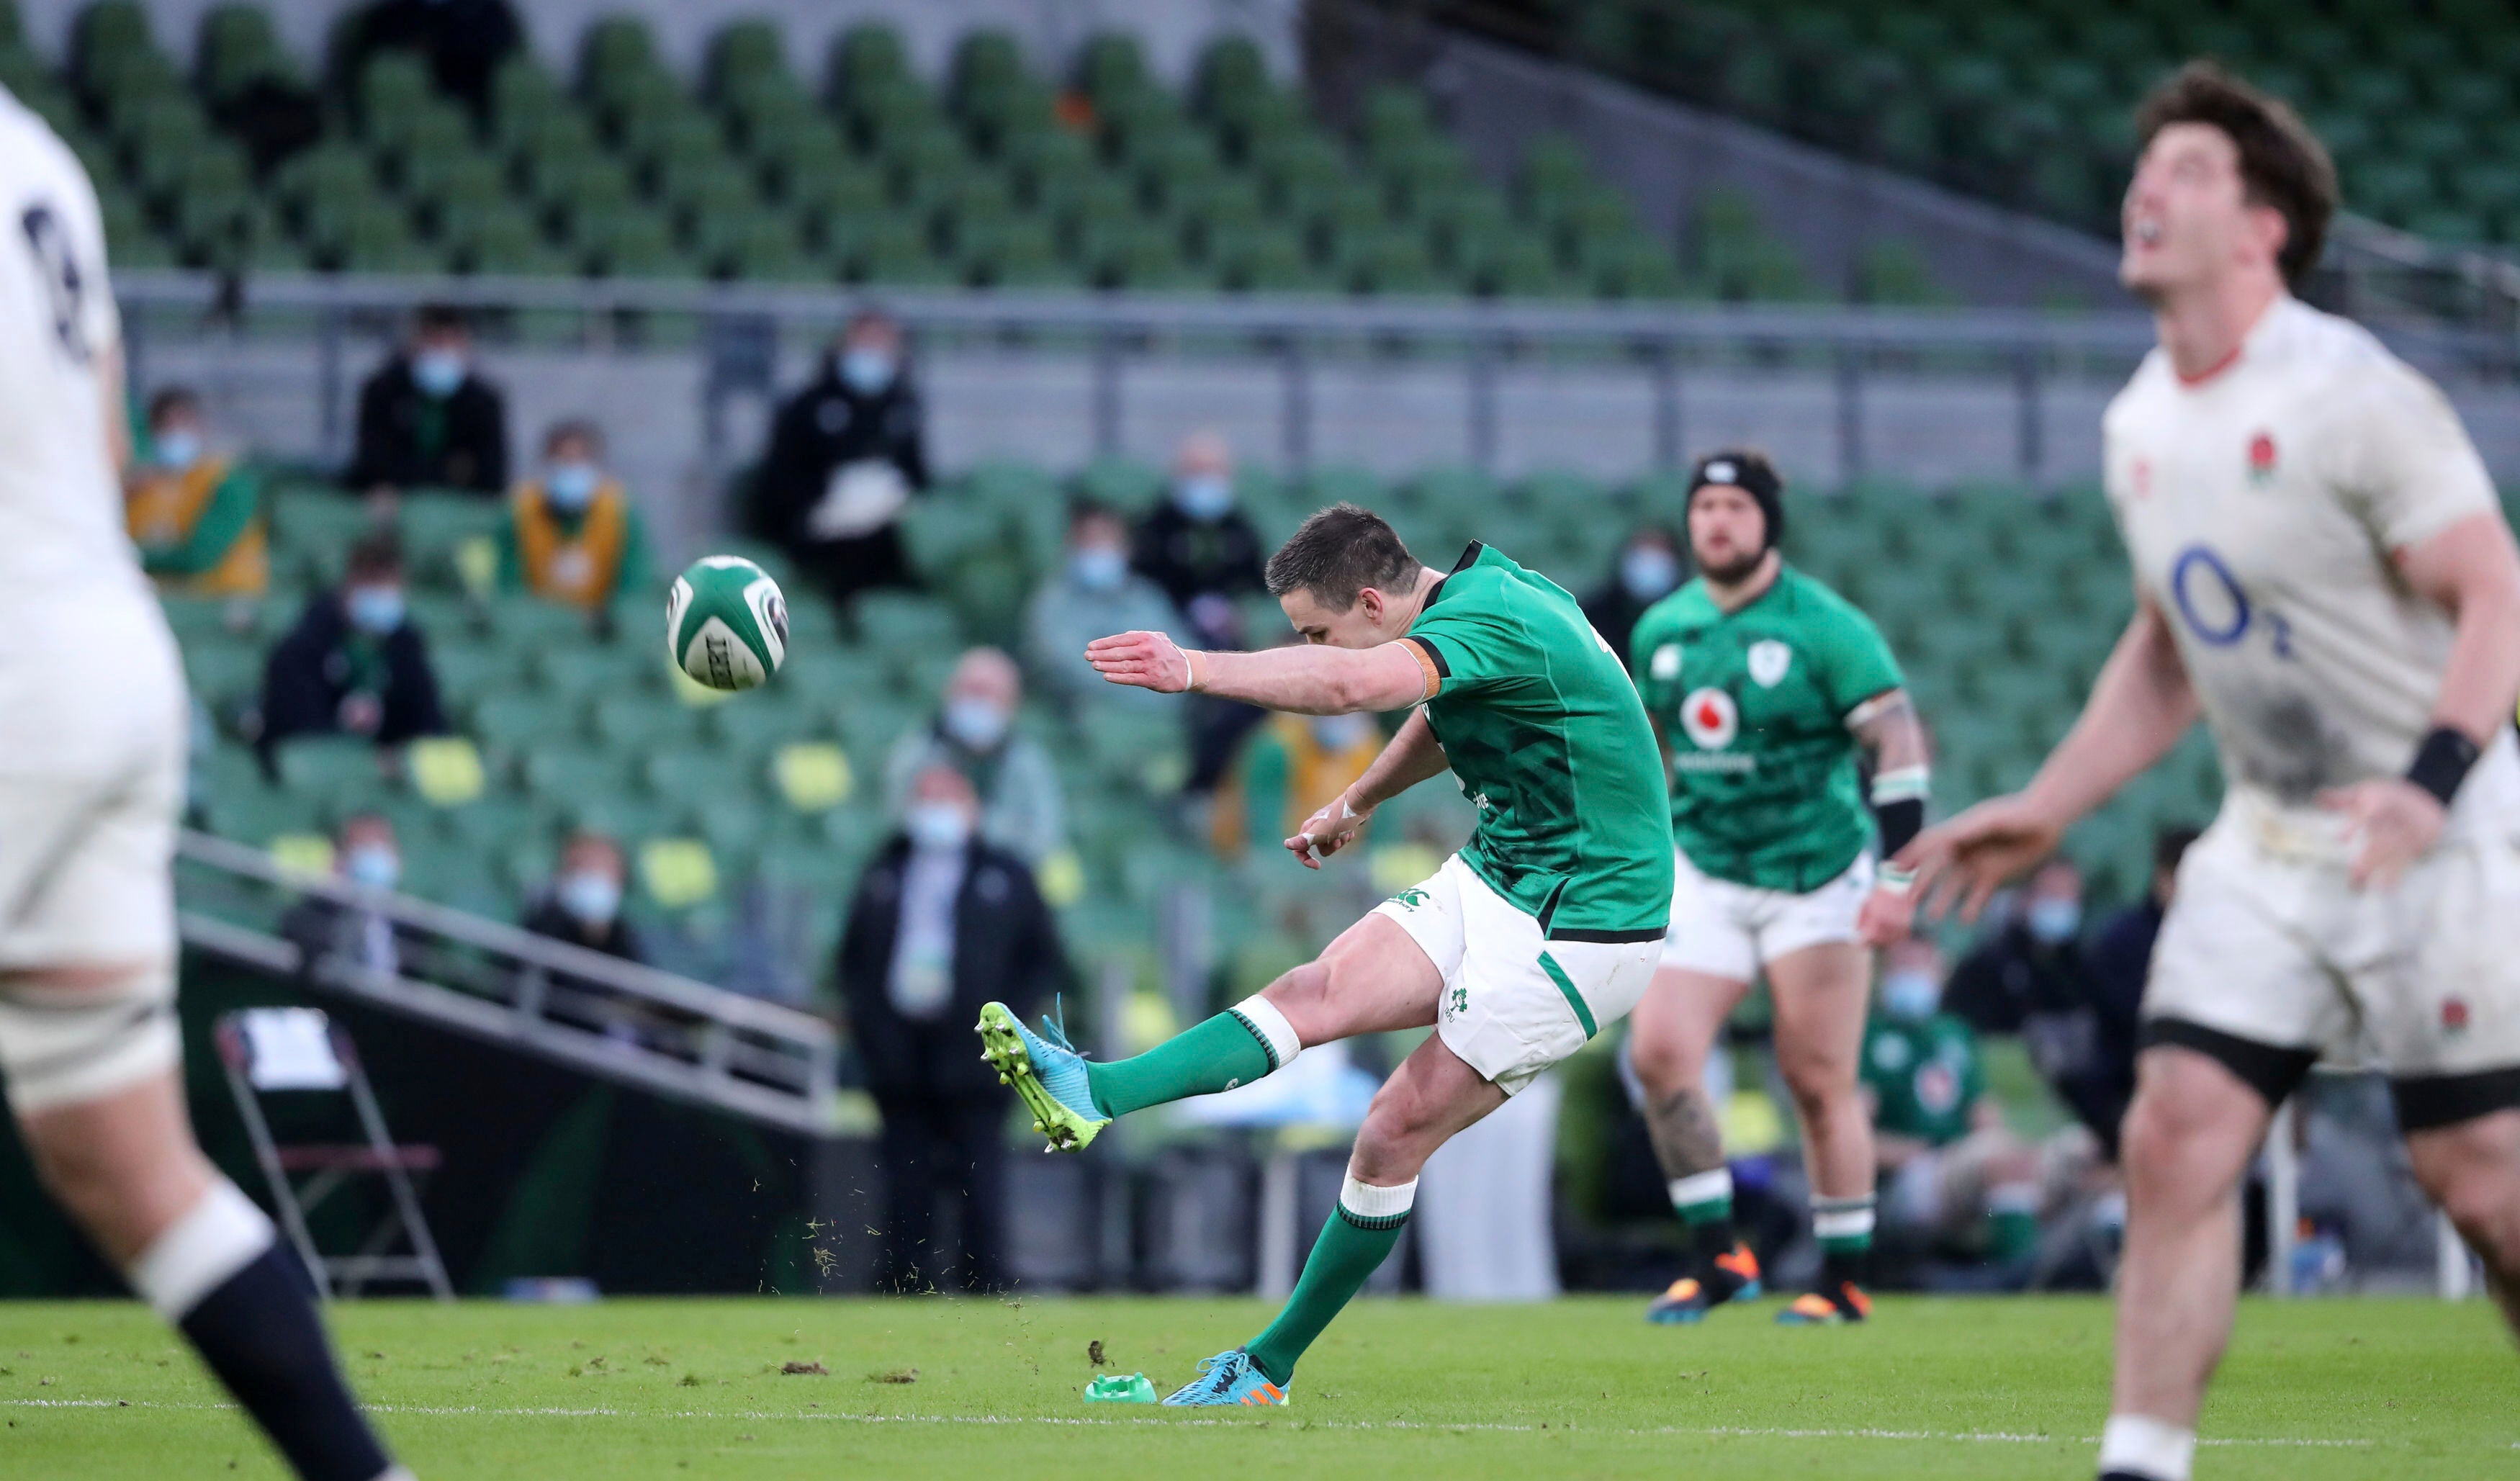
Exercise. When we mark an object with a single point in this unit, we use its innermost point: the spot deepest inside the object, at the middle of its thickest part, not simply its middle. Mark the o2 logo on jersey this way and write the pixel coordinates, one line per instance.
(58, 269)
(1710, 718)
(2215, 606)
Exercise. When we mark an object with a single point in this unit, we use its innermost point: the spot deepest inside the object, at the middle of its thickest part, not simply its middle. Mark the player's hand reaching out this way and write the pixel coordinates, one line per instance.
(1973, 855)
(1141, 660)
(2394, 824)
(1326, 831)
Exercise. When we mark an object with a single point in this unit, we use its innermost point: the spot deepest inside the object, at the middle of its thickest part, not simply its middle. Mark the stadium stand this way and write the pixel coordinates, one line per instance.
(847, 168)
(2001, 604)
(2029, 104)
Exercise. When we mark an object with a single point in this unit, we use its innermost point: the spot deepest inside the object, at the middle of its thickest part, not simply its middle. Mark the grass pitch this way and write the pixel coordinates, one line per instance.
(989, 1388)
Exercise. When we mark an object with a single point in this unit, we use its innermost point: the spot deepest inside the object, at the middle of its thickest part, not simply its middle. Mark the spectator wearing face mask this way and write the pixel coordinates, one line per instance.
(1953, 1175)
(847, 453)
(1093, 594)
(2032, 964)
(583, 905)
(367, 857)
(428, 420)
(572, 535)
(194, 515)
(1648, 571)
(355, 665)
(943, 921)
(1291, 768)
(1203, 553)
(1198, 546)
(974, 733)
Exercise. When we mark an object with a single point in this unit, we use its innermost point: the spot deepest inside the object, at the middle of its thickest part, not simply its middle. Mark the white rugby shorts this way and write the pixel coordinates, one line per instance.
(2268, 941)
(91, 750)
(1514, 1002)
(1728, 930)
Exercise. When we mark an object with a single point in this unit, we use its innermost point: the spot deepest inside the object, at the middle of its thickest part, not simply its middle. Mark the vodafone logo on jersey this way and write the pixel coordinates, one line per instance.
(1710, 719)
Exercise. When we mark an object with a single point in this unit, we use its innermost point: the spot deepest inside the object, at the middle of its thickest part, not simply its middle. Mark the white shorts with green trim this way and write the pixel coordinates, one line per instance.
(1514, 1002)
(1728, 930)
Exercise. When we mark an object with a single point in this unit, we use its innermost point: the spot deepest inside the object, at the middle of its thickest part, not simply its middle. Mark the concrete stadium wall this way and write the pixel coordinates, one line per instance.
(1390, 416)
(1172, 31)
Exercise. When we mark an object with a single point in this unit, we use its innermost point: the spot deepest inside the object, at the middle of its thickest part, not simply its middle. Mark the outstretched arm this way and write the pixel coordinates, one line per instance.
(2140, 704)
(1413, 756)
(1308, 681)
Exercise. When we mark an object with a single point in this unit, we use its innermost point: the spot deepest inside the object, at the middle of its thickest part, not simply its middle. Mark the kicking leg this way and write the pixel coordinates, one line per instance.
(121, 1160)
(1374, 978)
(2189, 1136)
(1819, 992)
(1430, 1099)
(2472, 1170)
(1672, 1032)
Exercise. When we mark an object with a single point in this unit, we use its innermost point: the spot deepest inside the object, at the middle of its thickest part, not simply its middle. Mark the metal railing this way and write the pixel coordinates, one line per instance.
(598, 1015)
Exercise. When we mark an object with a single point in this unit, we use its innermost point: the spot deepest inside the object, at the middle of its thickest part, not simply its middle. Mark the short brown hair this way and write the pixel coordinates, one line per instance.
(1339, 552)
(2283, 164)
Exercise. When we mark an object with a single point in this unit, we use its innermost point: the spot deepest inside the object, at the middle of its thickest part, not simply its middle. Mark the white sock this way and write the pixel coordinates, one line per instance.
(2147, 1447)
(1273, 1030)
(1701, 1187)
(1841, 1218)
(216, 1237)
(1367, 1201)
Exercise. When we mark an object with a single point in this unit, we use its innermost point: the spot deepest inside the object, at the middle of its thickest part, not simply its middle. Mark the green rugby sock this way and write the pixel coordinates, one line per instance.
(1235, 1048)
(1844, 1228)
(1704, 1203)
(1357, 1239)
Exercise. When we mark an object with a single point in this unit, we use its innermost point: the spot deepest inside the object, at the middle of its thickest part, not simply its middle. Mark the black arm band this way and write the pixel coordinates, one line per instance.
(1900, 823)
(2441, 762)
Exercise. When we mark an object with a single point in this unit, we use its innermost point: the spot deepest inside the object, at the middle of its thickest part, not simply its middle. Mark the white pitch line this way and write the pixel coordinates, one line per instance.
(1717, 1431)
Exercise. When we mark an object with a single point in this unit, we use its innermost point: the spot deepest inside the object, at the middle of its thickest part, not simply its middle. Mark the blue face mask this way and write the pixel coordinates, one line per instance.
(1203, 496)
(373, 864)
(2053, 920)
(177, 447)
(1097, 567)
(437, 372)
(591, 898)
(867, 372)
(570, 487)
(1910, 993)
(977, 723)
(937, 826)
(1647, 572)
(377, 610)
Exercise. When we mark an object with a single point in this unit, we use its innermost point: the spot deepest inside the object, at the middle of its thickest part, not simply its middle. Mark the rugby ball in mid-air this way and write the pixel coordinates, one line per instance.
(726, 623)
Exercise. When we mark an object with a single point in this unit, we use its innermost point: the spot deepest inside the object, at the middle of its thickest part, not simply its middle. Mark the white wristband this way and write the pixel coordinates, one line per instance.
(1897, 882)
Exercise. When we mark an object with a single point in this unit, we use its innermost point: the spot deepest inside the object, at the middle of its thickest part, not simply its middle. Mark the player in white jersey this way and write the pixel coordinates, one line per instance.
(92, 732)
(2322, 573)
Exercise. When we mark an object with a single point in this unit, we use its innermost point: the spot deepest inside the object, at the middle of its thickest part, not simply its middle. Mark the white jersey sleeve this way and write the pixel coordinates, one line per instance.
(2405, 466)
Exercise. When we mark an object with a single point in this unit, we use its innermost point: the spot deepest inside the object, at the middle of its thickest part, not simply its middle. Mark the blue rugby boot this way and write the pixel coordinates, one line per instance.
(1230, 1377)
(1046, 1072)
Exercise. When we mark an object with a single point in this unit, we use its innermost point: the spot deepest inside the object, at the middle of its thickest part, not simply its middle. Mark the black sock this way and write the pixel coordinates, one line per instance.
(1840, 1268)
(259, 1333)
(1709, 1240)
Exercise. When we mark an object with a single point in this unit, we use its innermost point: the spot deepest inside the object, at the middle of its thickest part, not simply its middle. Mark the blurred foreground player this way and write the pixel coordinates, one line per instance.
(91, 734)
(1541, 930)
(2322, 573)
(1765, 686)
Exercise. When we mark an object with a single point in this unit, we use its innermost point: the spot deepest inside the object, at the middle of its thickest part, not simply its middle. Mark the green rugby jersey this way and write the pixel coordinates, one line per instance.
(1925, 1074)
(1753, 704)
(1548, 740)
